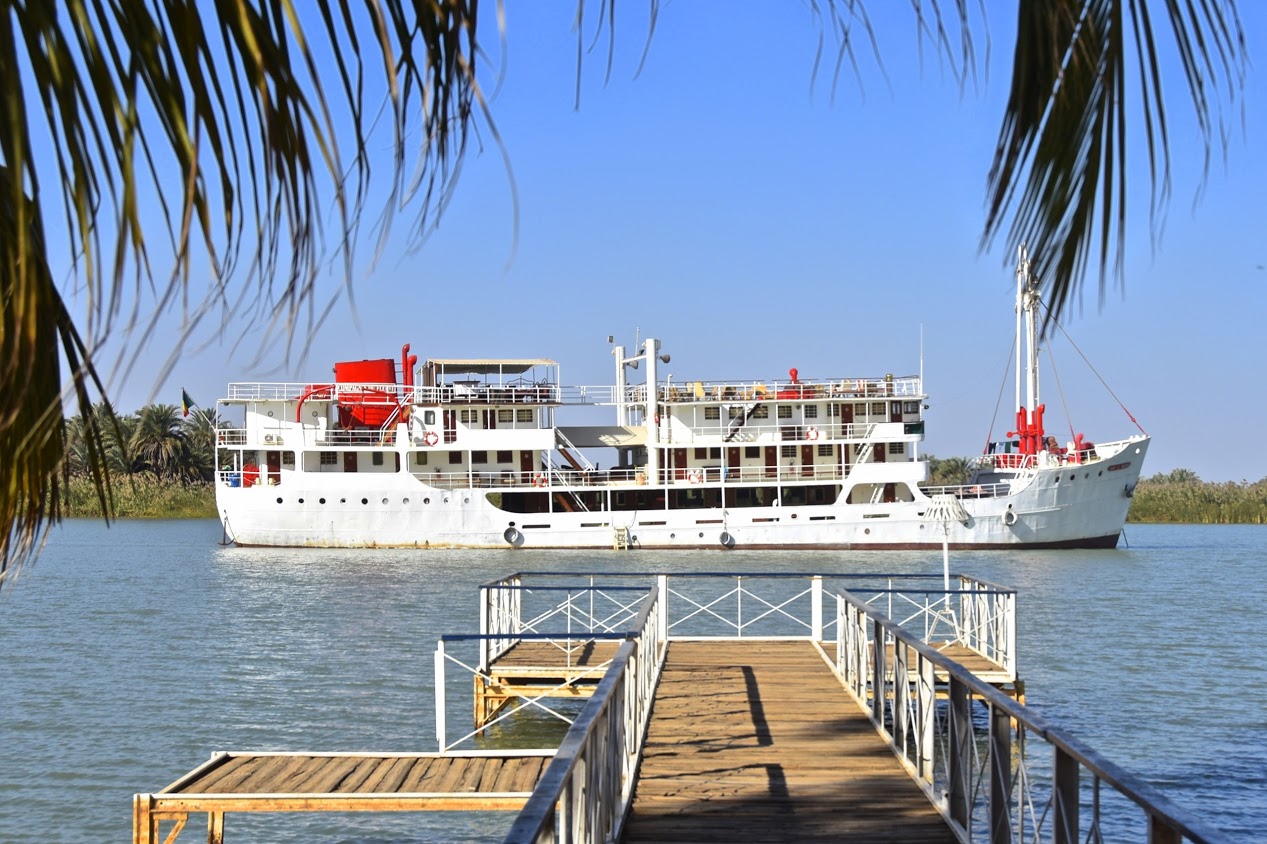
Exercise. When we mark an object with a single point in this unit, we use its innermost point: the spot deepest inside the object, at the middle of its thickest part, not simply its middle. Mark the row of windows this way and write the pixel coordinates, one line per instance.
(507, 415)
(810, 411)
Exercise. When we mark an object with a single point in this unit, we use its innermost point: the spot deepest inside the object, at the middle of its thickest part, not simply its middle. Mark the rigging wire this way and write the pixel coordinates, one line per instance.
(1060, 388)
(1129, 415)
(1007, 368)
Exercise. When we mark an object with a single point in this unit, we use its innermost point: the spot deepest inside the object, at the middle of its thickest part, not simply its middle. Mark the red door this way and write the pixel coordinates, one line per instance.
(349, 461)
(846, 419)
(771, 461)
(679, 464)
(274, 461)
(525, 466)
(807, 461)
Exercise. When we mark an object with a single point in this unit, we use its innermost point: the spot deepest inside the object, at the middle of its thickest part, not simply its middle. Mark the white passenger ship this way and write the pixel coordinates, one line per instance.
(473, 453)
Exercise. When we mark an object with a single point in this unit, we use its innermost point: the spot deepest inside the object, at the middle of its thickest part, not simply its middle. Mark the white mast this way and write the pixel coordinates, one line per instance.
(1026, 333)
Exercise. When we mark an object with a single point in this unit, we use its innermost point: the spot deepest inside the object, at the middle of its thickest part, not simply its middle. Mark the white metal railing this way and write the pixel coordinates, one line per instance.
(969, 491)
(986, 776)
(585, 792)
(728, 392)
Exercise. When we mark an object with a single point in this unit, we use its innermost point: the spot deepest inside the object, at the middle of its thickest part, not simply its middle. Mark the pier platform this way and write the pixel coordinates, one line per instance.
(755, 741)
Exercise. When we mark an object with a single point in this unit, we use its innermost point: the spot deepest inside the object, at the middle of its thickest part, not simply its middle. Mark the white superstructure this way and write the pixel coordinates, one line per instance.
(474, 453)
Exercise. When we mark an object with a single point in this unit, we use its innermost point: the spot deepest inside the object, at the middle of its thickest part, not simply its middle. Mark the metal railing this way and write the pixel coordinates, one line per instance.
(985, 775)
(585, 792)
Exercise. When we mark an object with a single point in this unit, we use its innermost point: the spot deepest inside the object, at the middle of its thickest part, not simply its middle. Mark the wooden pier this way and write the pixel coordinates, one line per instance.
(793, 713)
(756, 742)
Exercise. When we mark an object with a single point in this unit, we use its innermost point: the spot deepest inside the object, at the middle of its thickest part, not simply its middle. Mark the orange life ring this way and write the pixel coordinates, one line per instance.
(811, 434)
(540, 480)
(430, 438)
(694, 477)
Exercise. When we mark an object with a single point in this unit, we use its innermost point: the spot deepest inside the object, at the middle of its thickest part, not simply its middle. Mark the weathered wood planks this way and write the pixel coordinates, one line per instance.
(756, 741)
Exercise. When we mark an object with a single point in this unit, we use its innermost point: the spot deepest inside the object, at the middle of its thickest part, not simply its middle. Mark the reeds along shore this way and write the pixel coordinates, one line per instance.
(1158, 499)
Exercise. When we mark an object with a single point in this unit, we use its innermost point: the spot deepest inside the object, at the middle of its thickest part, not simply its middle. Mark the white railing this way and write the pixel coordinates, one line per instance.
(729, 392)
(585, 792)
(969, 491)
(986, 775)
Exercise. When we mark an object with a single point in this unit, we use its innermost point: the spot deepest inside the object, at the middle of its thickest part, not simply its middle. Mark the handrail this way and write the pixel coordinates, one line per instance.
(982, 787)
(585, 791)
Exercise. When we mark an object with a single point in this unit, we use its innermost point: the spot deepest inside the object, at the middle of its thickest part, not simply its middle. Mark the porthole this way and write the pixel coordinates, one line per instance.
(466, 501)
(674, 535)
(365, 501)
(343, 501)
(270, 414)
(428, 501)
(794, 515)
(701, 536)
(867, 531)
(279, 501)
(404, 501)
(301, 501)
(446, 501)
(314, 414)
(1087, 475)
(384, 500)
(1100, 474)
(323, 501)
(1073, 477)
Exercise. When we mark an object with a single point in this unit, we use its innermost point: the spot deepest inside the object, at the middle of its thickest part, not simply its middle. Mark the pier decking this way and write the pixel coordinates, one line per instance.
(755, 741)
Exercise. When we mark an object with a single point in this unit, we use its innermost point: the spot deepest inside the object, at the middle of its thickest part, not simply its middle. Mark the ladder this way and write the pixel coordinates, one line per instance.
(620, 539)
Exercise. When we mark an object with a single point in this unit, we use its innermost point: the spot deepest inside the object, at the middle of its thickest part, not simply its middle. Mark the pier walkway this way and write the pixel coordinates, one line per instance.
(713, 707)
(755, 741)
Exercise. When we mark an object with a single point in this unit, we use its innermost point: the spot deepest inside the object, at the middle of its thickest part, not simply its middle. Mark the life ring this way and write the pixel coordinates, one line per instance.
(539, 480)
(694, 477)
(1009, 517)
(811, 434)
(430, 438)
(512, 536)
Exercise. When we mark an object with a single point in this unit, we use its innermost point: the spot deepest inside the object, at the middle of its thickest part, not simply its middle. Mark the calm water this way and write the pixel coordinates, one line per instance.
(131, 654)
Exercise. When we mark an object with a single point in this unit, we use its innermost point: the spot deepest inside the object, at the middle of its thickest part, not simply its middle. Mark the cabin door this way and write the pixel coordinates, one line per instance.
(349, 461)
(525, 466)
(679, 464)
(732, 464)
(895, 411)
(771, 461)
(807, 461)
(450, 426)
(846, 419)
(273, 460)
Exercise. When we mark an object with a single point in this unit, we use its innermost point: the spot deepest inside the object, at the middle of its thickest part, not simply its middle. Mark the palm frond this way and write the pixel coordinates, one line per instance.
(1058, 181)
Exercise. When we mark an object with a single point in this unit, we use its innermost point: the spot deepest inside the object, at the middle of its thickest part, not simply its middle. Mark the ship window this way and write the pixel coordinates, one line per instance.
(479, 456)
(752, 452)
(288, 458)
(735, 411)
(470, 417)
(897, 448)
(329, 458)
(877, 408)
(505, 457)
(455, 457)
(833, 410)
(811, 411)
(377, 458)
(712, 413)
(762, 412)
(825, 451)
(429, 417)
(524, 414)
(714, 453)
(420, 458)
(785, 411)
(505, 415)
(699, 453)
(788, 451)
(910, 407)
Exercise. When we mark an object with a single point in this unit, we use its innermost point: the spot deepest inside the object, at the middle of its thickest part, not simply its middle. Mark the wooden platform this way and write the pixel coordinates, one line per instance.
(757, 741)
(338, 782)
(558, 668)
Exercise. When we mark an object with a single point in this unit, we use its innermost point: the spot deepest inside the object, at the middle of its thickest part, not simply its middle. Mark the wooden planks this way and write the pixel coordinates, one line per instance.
(756, 741)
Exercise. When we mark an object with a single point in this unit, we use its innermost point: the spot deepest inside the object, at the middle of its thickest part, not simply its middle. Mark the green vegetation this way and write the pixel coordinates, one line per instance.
(1182, 497)
(1177, 497)
(161, 464)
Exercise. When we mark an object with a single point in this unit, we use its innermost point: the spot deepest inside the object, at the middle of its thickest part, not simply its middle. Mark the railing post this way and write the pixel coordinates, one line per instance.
(1065, 798)
(878, 646)
(959, 787)
(662, 583)
(926, 712)
(739, 605)
(440, 728)
(816, 607)
(1000, 776)
(484, 631)
(901, 695)
(1159, 832)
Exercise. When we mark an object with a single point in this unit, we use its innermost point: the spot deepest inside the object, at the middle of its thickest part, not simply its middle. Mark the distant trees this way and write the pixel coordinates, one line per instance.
(155, 441)
(1180, 496)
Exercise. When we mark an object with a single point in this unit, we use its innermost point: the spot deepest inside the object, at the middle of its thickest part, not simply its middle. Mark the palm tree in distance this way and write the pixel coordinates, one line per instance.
(159, 443)
(249, 102)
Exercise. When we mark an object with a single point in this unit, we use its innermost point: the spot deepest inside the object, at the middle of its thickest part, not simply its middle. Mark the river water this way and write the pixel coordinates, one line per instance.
(132, 653)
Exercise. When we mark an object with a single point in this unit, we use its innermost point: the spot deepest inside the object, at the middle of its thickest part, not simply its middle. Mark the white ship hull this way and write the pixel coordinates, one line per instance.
(1068, 506)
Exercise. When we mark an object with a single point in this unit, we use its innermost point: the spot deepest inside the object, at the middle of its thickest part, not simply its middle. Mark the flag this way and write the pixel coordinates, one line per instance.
(185, 402)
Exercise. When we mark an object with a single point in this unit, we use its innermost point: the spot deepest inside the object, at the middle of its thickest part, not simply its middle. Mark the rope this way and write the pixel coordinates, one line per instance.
(1093, 369)
(1002, 386)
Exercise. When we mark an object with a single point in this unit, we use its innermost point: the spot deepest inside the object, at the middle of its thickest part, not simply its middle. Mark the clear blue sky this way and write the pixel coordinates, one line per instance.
(723, 202)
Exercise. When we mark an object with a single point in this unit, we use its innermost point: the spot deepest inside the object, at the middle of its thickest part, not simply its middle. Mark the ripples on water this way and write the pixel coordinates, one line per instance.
(131, 654)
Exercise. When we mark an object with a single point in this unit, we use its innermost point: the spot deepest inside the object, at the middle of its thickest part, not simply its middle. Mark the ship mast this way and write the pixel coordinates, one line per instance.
(1027, 299)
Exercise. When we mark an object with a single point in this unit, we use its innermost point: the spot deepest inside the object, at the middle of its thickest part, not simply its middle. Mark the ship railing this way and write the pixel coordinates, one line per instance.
(969, 491)
(730, 432)
(1008, 776)
(729, 392)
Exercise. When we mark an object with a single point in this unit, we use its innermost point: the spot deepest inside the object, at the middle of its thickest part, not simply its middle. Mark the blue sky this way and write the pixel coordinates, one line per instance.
(724, 202)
